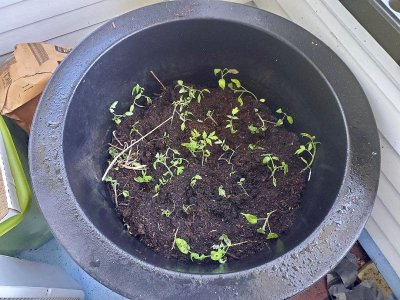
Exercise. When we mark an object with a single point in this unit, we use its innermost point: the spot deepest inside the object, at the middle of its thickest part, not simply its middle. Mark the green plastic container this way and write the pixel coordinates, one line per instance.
(29, 229)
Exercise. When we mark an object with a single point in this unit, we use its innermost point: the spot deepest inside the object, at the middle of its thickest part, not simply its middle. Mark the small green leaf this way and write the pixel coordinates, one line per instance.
(233, 71)
(217, 255)
(279, 122)
(253, 129)
(180, 82)
(236, 82)
(262, 100)
(261, 230)
(221, 83)
(125, 193)
(252, 219)
(182, 245)
(183, 126)
(108, 179)
(272, 235)
(225, 239)
(279, 110)
(216, 71)
(289, 119)
(235, 110)
(128, 114)
(179, 170)
(221, 191)
(240, 100)
(197, 256)
(266, 159)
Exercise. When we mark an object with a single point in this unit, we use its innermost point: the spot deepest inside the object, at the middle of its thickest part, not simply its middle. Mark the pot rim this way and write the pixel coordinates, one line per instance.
(280, 278)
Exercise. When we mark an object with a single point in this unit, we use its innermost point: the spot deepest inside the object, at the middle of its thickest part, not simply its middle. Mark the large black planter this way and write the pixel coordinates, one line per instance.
(187, 40)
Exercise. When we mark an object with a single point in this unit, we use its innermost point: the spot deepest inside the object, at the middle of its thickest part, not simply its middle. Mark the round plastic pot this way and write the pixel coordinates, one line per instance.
(187, 40)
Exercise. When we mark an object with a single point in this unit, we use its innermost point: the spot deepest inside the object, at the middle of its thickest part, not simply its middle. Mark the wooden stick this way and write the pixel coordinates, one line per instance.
(158, 80)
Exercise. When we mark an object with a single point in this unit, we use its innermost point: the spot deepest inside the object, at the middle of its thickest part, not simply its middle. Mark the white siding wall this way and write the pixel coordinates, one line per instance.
(68, 22)
(379, 75)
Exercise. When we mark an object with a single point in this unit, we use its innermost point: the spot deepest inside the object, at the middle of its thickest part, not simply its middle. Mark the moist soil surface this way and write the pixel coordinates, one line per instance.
(210, 215)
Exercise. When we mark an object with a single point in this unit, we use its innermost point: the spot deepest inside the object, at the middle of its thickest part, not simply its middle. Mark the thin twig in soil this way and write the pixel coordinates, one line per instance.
(130, 146)
(173, 243)
(158, 80)
(115, 195)
(119, 142)
(116, 147)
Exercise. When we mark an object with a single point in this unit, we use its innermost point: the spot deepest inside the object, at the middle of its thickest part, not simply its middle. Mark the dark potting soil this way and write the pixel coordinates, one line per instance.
(210, 215)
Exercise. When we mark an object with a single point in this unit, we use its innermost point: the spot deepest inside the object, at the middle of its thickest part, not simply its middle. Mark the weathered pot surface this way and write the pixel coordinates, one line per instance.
(186, 40)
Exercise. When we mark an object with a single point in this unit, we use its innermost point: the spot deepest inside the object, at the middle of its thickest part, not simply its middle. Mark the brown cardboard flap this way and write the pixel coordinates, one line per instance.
(24, 76)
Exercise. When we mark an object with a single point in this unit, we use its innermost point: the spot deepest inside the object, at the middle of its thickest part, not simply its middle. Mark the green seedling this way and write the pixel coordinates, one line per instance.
(221, 191)
(198, 143)
(233, 116)
(228, 151)
(311, 149)
(172, 162)
(224, 146)
(194, 180)
(112, 181)
(241, 184)
(113, 151)
(253, 129)
(125, 193)
(252, 219)
(285, 116)
(234, 84)
(220, 251)
(135, 129)
(188, 94)
(186, 208)
(166, 212)
(118, 118)
(191, 92)
(184, 117)
(144, 178)
(209, 115)
(137, 94)
(223, 73)
(238, 88)
(253, 147)
(273, 163)
(264, 123)
(114, 184)
(184, 248)
(164, 138)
